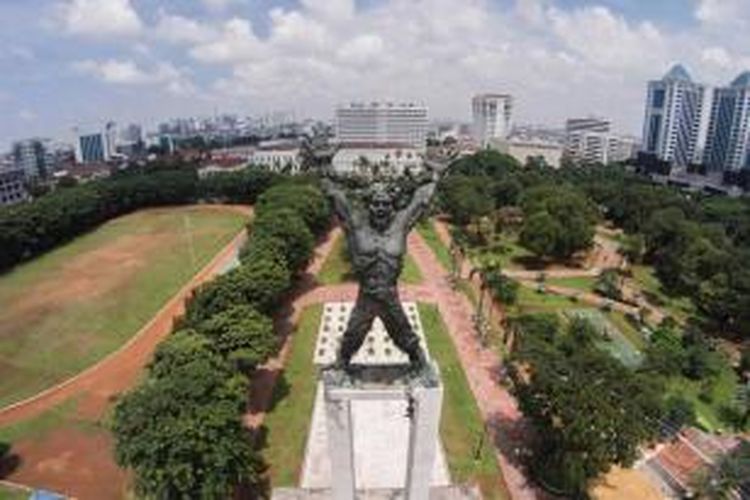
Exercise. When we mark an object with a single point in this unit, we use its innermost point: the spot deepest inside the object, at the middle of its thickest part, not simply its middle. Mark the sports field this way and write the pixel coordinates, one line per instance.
(67, 309)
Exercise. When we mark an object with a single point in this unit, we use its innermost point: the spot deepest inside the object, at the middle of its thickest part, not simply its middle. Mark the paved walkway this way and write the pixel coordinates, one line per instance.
(498, 408)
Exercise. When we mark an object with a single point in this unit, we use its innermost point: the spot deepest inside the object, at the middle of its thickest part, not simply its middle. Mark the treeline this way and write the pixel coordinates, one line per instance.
(29, 229)
(181, 429)
(557, 220)
(699, 245)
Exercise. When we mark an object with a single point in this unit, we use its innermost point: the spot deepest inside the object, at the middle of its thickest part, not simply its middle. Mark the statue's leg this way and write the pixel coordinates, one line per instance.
(359, 324)
(399, 329)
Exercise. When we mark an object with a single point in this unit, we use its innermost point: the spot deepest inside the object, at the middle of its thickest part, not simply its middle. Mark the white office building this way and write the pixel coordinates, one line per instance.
(674, 108)
(382, 122)
(492, 117)
(590, 148)
(380, 159)
(728, 139)
(278, 156)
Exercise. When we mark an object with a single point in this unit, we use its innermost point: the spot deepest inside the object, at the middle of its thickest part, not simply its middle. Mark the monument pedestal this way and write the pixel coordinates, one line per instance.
(424, 395)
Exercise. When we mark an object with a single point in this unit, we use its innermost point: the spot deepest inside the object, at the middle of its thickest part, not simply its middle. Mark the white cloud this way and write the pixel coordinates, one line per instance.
(722, 12)
(236, 42)
(363, 49)
(604, 39)
(127, 72)
(27, 115)
(179, 29)
(100, 17)
(717, 56)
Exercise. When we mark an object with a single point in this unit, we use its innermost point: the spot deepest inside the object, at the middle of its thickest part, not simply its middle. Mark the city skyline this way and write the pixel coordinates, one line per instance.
(72, 61)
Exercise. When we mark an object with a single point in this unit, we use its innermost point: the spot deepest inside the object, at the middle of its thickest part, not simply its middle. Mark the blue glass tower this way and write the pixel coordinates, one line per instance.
(728, 140)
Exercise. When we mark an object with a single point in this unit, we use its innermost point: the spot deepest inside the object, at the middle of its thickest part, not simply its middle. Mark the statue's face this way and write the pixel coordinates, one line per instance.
(381, 211)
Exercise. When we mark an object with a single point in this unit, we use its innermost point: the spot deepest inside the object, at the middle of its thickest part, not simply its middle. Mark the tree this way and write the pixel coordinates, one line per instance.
(724, 478)
(466, 198)
(588, 412)
(540, 234)
(503, 288)
(286, 226)
(665, 353)
(608, 284)
(180, 350)
(242, 335)
(183, 436)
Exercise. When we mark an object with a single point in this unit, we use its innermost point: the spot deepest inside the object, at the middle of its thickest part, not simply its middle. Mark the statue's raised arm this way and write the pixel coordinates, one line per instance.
(341, 203)
(423, 195)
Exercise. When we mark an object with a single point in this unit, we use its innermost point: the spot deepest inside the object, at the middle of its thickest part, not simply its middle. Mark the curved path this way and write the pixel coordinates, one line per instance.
(99, 384)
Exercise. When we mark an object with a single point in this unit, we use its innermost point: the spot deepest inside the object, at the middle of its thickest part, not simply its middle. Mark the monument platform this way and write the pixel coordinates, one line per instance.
(436, 493)
(378, 430)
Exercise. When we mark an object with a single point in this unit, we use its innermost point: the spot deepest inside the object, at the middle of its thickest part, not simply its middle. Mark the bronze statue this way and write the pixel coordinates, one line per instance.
(377, 244)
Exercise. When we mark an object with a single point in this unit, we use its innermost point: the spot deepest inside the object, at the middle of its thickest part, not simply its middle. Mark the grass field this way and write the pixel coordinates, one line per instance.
(336, 269)
(680, 308)
(426, 229)
(8, 493)
(67, 309)
(532, 301)
(294, 396)
(470, 455)
(583, 283)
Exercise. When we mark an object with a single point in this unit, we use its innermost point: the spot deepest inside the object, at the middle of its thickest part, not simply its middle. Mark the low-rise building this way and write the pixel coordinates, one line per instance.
(12, 186)
(523, 149)
(379, 159)
(282, 157)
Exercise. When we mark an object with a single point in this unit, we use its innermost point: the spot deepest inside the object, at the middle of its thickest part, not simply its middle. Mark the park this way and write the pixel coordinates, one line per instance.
(497, 302)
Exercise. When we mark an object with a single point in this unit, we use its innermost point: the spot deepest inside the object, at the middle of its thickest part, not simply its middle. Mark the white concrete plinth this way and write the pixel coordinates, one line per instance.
(353, 413)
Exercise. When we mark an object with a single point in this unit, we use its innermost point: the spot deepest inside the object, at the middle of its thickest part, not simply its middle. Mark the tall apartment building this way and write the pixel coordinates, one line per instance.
(381, 123)
(12, 186)
(492, 117)
(674, 107)
(33, 157)
(728, 140)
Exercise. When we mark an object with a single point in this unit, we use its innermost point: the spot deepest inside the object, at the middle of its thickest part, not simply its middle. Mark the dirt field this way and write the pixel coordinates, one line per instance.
(69, 308)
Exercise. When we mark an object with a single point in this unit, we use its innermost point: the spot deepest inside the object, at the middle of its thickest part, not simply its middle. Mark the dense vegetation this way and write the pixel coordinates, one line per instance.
(698, 245)
(588, 412)
(181, 430)
(28, 229)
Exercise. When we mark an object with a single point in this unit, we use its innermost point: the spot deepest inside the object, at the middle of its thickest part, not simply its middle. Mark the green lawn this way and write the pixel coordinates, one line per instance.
(622, 323)
(426, 229)
(583, 283)
(69, 308)
(532, 301)
(680, 308)
(336, 268)
(8, 493)
(294, 396)
(721, 393)
(471, 457)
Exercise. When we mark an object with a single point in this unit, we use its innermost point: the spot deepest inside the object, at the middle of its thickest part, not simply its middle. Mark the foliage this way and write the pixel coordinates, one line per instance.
(589, 412)
(182, 349)
(182, 433)
(259, 282)
(558, 221)
(608, 284)
(288, 227)
(722, 479)
(304, 199)
(466, 198)
(242, 335)
(503, 288)
(243, 186)
(665, 354)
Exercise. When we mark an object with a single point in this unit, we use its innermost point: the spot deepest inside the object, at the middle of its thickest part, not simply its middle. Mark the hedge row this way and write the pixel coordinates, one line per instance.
(181, 430)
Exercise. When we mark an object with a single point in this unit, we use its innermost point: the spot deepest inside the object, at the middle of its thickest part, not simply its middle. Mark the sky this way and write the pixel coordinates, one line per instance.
(66, 63)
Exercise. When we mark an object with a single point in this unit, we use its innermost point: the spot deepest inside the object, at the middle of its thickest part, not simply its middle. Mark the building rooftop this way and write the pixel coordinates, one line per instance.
(678, 73)
(742, 80)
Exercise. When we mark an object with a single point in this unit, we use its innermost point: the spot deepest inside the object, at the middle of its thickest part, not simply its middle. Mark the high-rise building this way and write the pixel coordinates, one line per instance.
(91, 147)
(492, 117)
(12, 186)
(111, 139)
(382, 123)
(674, 107)
(728, 139)
(33, 157)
